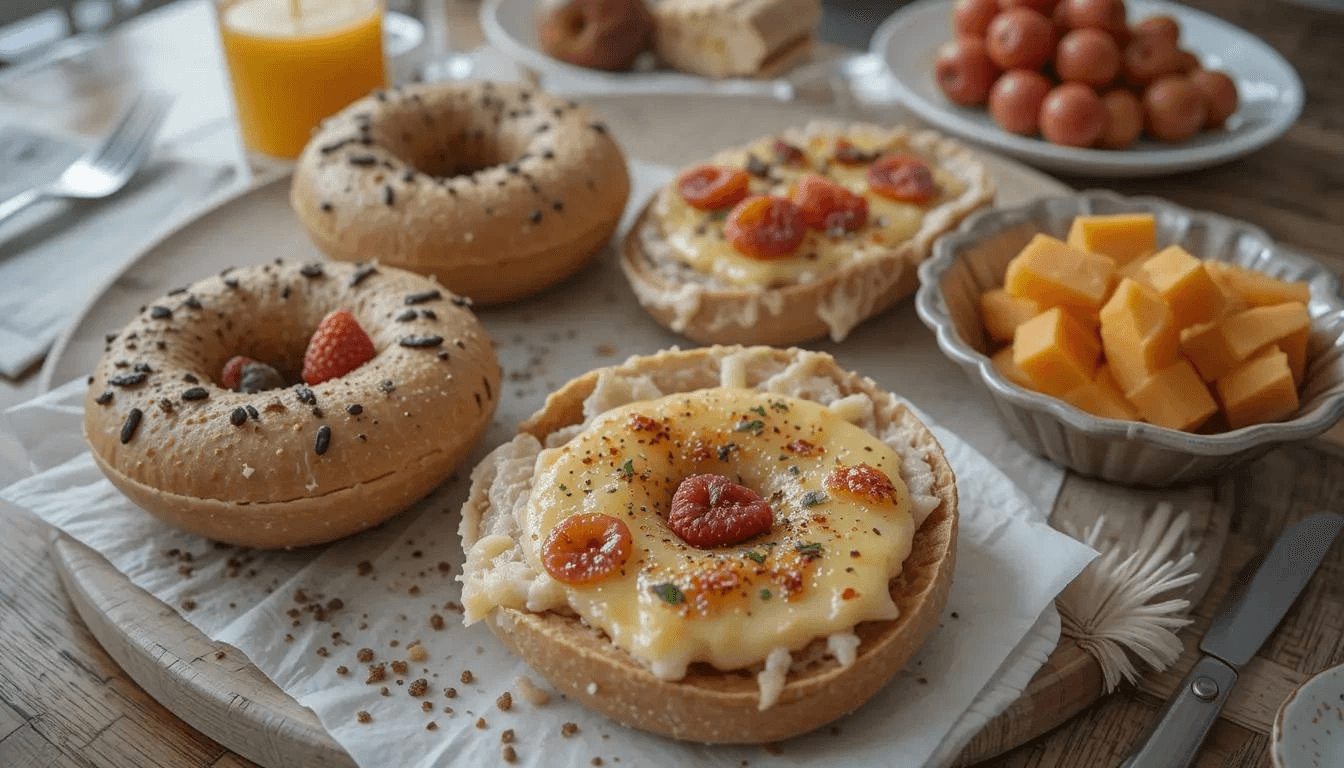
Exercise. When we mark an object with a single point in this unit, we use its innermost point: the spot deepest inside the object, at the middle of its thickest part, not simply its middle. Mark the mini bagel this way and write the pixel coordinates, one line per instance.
(707, 704)
(296, 465)
(499, 190)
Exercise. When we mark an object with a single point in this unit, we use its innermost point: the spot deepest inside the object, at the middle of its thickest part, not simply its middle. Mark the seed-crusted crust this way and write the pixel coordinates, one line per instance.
(499, 190)
(703, 309)
(395, 427)
(713, 706)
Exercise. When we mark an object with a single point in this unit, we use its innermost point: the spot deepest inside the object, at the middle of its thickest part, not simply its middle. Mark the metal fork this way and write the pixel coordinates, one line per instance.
(106, 168)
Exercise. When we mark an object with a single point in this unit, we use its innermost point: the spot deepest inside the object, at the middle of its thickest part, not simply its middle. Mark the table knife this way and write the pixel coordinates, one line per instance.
(1247, 618)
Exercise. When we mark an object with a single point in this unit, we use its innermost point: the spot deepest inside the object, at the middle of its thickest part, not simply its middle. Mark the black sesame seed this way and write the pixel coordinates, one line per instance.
(388, 195)
(325, 206)
(460, 344)
(109, 338)
(252, 411)
(190, 378)
(104, 398)
(406, 316)
(311, 270)
(306, 396)
(428, 314)
(143, 368)
(317, 412)
(420, 341)
(192, 303)
(423, 296)
(177, 291)
(544, 127)
(380, 95)
(323, 441)
(534, 216)
(361, 274)
(558, 205)
(354, 409)
(127, 380)
(599, 127)
(159, 312)
(409, 175)
(512, 168)
(442, 354)
(327, 149)
(461, 301)
(196, 393)
(363, 160)
(548, 155)
(284, 292)
(488, 392)
(132, 424)
(231, 282)
(160, 344)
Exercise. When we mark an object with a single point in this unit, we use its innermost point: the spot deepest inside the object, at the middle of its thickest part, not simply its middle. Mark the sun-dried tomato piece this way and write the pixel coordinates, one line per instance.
(765, 227)
(902, 177)
(713, 511)
(862, 481)
(713, 187)
(827, 205)
(786, 153)
(848, 154)
(586, 548)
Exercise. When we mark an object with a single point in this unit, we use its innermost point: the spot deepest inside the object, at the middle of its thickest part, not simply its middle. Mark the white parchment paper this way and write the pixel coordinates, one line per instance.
(303, 617)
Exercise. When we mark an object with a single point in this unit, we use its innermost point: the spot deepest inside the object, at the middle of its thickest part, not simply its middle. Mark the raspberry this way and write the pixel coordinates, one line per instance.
(713, 511)
(232, 374)
(339, 346)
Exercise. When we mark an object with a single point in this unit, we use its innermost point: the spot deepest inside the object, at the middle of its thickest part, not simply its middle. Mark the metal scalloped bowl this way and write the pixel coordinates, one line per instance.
(974, 258)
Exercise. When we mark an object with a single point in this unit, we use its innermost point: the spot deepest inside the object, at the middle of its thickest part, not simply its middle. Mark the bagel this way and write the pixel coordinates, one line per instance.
(670, 254)
(296, 465)
(813, 679)
(498, 190)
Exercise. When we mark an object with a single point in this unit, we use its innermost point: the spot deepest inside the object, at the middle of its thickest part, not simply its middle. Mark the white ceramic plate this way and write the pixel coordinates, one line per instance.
(1270, 94)
(1309, 729)
(511, 26)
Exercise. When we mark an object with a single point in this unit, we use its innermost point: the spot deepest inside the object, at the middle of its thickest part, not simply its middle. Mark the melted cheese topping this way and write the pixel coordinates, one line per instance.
(821, 569)
(696, 237)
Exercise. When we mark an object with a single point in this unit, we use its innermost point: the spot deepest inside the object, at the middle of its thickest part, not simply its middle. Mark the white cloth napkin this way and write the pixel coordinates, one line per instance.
(56, 254)
(998, 628)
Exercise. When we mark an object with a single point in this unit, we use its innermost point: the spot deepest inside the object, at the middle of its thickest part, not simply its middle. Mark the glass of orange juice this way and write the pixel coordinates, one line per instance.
(294, 62)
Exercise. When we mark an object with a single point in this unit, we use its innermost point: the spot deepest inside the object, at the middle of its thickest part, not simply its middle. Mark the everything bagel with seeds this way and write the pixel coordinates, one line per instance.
(499, 190)
(727, 544)
(294, 463)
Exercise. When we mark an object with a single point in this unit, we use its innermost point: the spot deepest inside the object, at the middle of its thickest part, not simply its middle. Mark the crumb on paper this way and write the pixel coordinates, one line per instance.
(377, 673)
(219, 655)
(450, 693)
(426, 706)
(436, 621)
(342, 670)
(418, 687)
(384, 691)
(400, 667)
(509, 754)
(596, 761)
(188, 604)
(467, 677)
(322, 651)
(417, 652)
(481, 724)
(569, 729)
(364, 568)
(505, 701)
(431, 726)
(506, 737)
(365, 655)
(535, 696)
(363, 717)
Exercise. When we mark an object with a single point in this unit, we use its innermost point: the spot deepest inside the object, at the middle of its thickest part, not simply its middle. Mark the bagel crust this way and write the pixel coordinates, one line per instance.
(498, 190)
(830, 302)
(711, 705)
(296, 465)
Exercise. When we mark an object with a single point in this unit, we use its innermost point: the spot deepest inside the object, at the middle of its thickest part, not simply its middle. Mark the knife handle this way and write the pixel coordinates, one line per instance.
(1187, 719)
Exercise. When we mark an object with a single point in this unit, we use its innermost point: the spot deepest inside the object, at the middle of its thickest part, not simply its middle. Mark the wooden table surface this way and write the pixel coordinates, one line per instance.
(63, 702)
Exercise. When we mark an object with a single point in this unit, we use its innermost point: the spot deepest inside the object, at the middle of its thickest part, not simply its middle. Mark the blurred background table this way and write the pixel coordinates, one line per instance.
(63, 702)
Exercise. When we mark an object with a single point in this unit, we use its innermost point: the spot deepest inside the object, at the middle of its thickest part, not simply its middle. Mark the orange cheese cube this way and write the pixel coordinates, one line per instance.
(1294, 346)
(1003, 360)
(1182, 281)
(1260, 390)
(1054, 274)
(1121, 236)
(1102, 397)
(1134, 271)
(1138, 333)
(1002, 313)
(1218, 347)
(1208, 349)
(1174, 397)
(1056, 352)
(1253, 288)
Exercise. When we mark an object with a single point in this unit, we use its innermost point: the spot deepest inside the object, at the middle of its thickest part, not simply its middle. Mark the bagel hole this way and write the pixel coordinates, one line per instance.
(464, 141)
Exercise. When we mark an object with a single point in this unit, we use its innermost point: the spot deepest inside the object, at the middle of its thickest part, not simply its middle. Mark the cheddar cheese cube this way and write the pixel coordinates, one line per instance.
(1174, 397)
(1054, 274)
(1208, 348)
(1002, 313)
(1138, 334)
(1218, 347)
(1056, 352)
(1253, 288)
(1294, 345)
(1102, 397)
(1259, 390)
(1121, 236)
(1003, 360)
(1182, 281)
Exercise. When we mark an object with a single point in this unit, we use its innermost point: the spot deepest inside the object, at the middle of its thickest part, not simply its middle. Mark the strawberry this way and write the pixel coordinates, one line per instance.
(338, 347)
(233, 371)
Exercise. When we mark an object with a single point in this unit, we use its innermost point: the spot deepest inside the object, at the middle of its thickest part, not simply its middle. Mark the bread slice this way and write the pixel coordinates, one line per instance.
(710, 705)
(832, 304)
(730, 38)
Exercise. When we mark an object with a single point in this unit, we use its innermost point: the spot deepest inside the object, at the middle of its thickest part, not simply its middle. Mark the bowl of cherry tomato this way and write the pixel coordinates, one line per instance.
(1090, 87)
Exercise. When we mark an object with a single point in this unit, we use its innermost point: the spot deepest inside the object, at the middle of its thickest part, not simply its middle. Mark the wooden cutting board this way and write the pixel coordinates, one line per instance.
(231, 701)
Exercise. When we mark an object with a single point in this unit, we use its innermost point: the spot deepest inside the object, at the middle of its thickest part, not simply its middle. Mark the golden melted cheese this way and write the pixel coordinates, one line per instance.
(696, 237)
(821, 569)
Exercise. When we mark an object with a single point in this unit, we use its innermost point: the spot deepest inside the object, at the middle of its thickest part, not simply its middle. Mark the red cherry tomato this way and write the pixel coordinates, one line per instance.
(1163, 27)
(713, 187)
(902, 177)
(1088, 56)
(964, 71)
(1040, 6)
(1173, 108)
(765, 227)
(1015, 100)
(1096, 14)
(1072, 115)
(1124, 119)
(827, 205)
(1148, 58)
(1020, 38)
(972, 17)
(1220, 96)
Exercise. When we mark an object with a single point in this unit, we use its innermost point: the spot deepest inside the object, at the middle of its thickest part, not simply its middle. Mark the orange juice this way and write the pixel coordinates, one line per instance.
(294, 62)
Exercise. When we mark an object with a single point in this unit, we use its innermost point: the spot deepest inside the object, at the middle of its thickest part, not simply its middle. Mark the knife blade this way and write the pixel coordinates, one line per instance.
(1245, 620)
